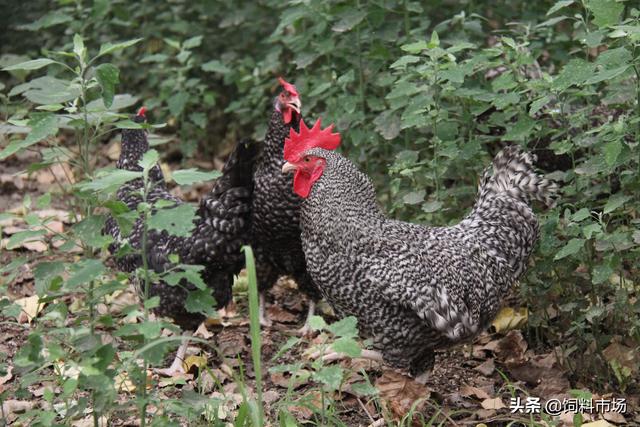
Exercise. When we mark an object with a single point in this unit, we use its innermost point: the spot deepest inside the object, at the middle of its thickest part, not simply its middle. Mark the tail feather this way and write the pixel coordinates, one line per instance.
(238, 169)
(513, 174)
(502, 219)
(224, 213)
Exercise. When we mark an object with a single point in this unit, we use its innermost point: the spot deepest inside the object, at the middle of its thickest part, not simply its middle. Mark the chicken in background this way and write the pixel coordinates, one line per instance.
(275, 210)
(413, 288)
(221, 228)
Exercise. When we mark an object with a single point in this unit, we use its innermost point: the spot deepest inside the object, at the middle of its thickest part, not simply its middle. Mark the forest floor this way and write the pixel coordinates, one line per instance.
(476, 383)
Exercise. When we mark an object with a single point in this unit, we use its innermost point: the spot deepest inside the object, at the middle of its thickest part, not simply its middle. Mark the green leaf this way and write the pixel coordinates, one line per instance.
(148, 161)
(331, 376)
(51, 19)
(415, 47)
(606, 75)
(176, 221)
(349, 20)
(89, 230)
(571, 248)
(559, 5)
(317, 323)
(605, 12)
(42, 126)
(79, 48)
(580, 215)
(405, 60)
(521, 130)
(590, 230)
(414, 197)
(576, 72)
(107, 181)
(192, 42)
(177, 102)
(108, 48)
(215, 66)
(34, 64)
(44, 273)
(108, 77)
(47, 90)
(190, 176)
(150, 330)
(538, 104)
(601, 273)
(431, 206)
(364, 388)
(615, 201)
(201, 301)
(86, 271)
(347, 346)
(435, 40)
(20, 237)
(347, 327)
(611, 152)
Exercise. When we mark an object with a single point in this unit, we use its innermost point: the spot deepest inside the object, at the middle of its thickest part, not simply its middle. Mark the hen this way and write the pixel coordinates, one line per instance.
(220, 229)
(413, 288)
(275, 211)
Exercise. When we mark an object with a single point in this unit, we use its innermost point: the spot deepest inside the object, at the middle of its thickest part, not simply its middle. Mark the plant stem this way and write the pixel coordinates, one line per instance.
(254, 326)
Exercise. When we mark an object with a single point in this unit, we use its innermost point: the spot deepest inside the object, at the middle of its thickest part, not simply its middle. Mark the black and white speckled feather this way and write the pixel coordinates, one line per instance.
(415, 288)
(221, 228)
(275, 216)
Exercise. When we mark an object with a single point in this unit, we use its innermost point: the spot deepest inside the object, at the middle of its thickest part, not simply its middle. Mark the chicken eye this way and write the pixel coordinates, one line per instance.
(306, 159)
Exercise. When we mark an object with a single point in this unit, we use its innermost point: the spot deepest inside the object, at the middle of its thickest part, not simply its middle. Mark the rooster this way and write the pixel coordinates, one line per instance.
(413, 288)
(275, 211)
(220, 229)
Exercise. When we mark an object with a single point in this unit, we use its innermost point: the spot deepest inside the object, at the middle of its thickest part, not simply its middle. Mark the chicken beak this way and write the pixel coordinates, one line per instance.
(295, 104)
(288, 168)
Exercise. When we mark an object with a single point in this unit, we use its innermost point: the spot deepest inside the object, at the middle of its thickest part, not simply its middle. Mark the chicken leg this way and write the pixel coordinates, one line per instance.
(177, 366)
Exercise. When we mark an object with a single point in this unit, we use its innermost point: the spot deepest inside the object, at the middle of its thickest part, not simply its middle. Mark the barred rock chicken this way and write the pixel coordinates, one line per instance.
(413, 288)
(275, 209)
(221, 228)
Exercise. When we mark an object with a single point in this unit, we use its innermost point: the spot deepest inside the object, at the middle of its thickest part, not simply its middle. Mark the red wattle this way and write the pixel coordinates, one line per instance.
(301, 184)
(286, 115)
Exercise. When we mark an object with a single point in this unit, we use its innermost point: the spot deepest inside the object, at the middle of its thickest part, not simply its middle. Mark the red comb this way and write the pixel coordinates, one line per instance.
(298, 143)
(142, 111)
(288, 86)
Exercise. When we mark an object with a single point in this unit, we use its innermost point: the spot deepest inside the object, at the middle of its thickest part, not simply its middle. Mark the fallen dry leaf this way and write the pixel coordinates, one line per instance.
(486, 368)
(552, 385)
(58, 172)
(495, 403)
(32, 244)
(280, 315)
(270, 396)
(230, 343)
(615, 417)
(511, 348)
(599, 423)
(11, 407)
(623, 355)
(194, 363)
(468, 391)
(30, 308)
(399, 393)
(113, 152)
(202, 332)
(509, 318)
(7, 376)
(284, 380)
(88, 421)
(124, 383)
(57, 214)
